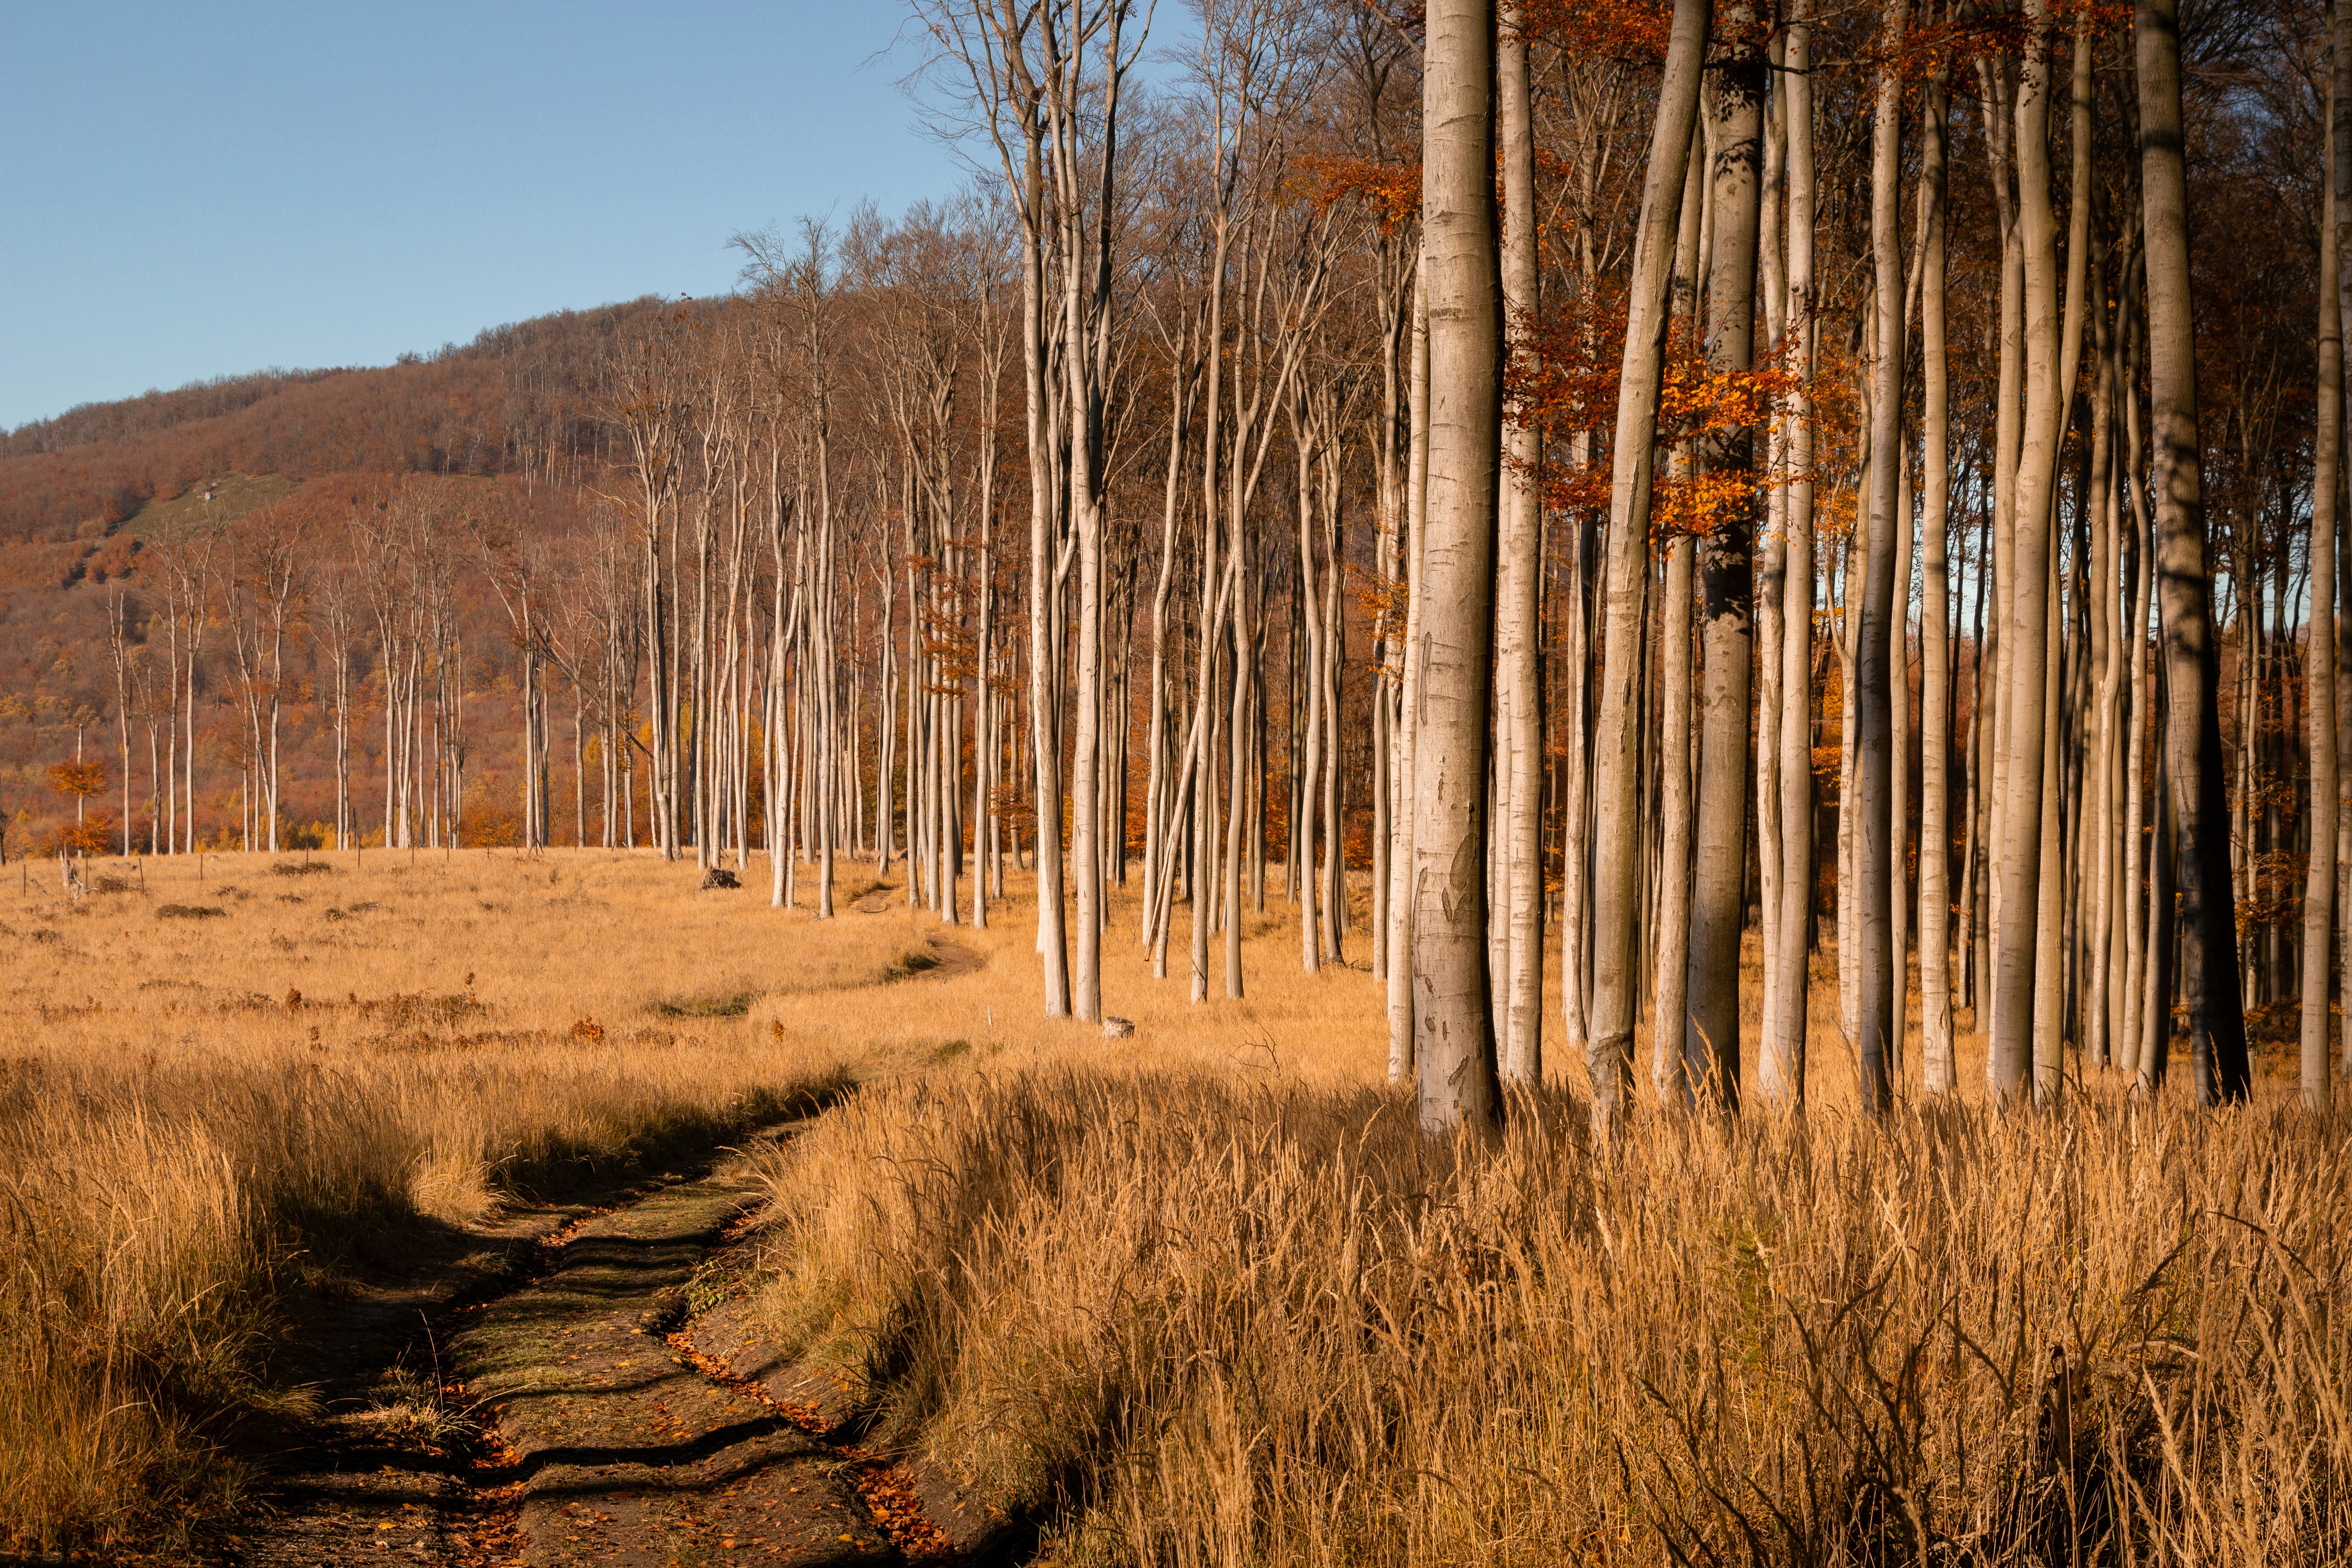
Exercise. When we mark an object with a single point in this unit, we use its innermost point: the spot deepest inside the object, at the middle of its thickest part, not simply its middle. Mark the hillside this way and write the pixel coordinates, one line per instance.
(516, 398)
(84, 495)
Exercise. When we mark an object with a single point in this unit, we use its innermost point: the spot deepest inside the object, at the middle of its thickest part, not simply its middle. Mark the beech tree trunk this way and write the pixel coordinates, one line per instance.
(1877, 964)
(1670, 969)
(1616, 909)
(2192, 741)
(1401, 856)
(1519, 719)
(2319, 634)
(1934, 643)
(1726, 570)
(1453, 1027)
(1781, 1070)
(2026, 642)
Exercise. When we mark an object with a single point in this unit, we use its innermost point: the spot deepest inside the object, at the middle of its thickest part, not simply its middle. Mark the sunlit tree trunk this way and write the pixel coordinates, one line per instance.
(1935, 642)
(1727, 584)
(1670, 970)
(1616, 907)
(1518, 575)
(1454, 1044)
(2024, 694)
(1781, 1070)
(1401, 893)
(2319, 634)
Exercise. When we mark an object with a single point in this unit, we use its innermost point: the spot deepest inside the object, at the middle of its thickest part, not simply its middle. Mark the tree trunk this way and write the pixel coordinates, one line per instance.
(1400, 897)
(2193, 720)
(1518, 576)
(1725, 572)
(2319, 634)
(1670, 970)
(1617, 732)
(1781, 1071)
(2026, 641)
(1934, 647)
(1452, 1037)
(1876, 964)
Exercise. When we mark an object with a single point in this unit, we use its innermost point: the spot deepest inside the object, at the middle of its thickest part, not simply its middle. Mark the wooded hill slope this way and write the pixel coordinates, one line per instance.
(84, 494)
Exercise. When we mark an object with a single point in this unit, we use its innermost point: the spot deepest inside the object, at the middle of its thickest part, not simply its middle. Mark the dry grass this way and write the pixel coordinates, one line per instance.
(203, 1121)
(1202, 1285)
(1206, 1323)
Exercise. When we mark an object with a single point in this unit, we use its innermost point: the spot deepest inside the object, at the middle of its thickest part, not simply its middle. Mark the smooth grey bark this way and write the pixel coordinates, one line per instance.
(1670, 970)
(2103, 868)
(1453, 1039)
(1400, 1001)
(2139, 603)
(2026, 650)
(2319, 637)
(1519, 580)
(1616, 908)
(1306, 800)
(1726, 569)
(1935, 640)
(1087, 327)
(1995, 102)
(1670, 974)
(2057, 904)
(2192, 742)
(1772, 551)
(2340, 146)
(1877, 966)
(1781, 1070)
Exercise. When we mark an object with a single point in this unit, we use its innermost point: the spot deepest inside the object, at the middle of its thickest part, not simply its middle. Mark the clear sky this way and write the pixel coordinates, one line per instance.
(194, 189)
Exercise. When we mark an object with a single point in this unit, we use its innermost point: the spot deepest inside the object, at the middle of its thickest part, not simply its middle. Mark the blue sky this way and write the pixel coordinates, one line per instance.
(197, 189)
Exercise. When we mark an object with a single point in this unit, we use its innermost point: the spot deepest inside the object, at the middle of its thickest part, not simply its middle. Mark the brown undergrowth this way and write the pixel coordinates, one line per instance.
(1202, 1321)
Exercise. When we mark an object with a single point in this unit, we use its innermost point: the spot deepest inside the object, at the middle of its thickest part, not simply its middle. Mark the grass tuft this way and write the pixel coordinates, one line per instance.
(731, 1005)
(913, 961)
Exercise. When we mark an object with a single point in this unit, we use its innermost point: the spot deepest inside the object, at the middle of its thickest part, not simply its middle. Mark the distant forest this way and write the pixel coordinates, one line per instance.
(86, 495)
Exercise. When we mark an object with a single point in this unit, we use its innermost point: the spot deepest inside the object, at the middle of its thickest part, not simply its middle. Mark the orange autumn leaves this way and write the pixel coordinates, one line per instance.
(1562, 377)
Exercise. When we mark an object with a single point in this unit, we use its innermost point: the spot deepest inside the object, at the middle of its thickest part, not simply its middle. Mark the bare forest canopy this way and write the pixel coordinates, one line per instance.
(1746, 516)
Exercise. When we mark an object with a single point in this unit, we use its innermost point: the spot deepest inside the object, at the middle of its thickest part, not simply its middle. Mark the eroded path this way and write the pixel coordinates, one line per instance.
(610, 1447)
(587, 1436)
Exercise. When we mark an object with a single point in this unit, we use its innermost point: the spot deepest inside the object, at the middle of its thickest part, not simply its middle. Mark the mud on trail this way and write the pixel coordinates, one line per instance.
(564, 1412)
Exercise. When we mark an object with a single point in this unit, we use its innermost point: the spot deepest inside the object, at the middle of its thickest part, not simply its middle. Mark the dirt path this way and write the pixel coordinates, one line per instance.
(954, 958)
(570, 1426)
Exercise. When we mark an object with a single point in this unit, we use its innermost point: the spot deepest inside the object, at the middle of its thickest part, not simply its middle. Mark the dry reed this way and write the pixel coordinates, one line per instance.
(1203, 1322)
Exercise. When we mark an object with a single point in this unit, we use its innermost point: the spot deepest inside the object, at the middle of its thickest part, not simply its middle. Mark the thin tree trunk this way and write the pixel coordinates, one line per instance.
(1616, 908)
(1516, 627)
(1935, 646)
(1781, 1071)
(1669, 1014)
(2319, 633)
(1877, 963)
(1402, 1001)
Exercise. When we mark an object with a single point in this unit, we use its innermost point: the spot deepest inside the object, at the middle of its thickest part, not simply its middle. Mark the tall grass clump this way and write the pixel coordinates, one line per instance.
(1193, 1322)
(157, 1228)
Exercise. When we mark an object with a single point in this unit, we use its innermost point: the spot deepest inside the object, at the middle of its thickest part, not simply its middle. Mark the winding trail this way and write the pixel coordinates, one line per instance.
(532, 1393)
(609, 1445)
(584, 1421)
